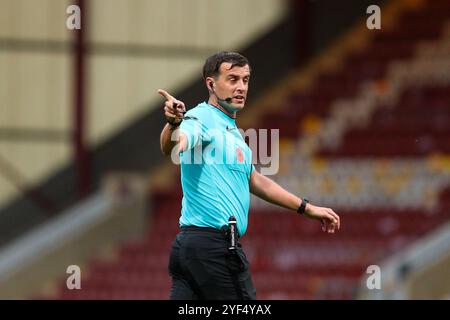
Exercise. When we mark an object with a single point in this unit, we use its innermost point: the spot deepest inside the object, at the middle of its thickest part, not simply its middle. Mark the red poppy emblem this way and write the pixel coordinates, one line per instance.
(240, 155)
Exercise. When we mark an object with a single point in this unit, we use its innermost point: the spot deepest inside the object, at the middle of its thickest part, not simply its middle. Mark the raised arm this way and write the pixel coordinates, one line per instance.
(172, 138)
(270, 191)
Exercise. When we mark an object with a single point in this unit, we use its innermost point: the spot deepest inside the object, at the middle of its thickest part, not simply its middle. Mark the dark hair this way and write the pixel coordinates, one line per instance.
(213, 63)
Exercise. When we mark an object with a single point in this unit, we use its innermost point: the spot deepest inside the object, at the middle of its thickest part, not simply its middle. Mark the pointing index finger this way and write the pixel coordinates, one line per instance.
(165, 94)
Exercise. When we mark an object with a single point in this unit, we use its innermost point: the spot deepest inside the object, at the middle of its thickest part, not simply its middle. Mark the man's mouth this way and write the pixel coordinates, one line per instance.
(239, 98)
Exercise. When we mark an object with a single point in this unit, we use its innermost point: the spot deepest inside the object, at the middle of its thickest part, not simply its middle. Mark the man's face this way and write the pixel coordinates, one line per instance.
(233, 83)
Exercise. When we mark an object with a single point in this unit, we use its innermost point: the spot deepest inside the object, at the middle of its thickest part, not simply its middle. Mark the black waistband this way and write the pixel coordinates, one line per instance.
(223, 231)
(206, 229)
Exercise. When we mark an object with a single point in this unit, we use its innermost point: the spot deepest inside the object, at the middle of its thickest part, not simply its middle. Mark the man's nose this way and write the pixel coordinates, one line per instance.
(241, 86)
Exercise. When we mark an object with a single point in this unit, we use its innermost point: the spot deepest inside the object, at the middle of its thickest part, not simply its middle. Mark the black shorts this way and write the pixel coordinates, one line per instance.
(202, 267)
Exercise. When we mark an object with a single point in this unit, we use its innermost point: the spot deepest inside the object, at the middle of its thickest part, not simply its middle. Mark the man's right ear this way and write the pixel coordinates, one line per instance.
(210, 84)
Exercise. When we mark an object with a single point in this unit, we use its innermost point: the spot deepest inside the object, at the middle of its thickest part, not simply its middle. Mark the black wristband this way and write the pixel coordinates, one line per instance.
(174, 125)
(302, 207)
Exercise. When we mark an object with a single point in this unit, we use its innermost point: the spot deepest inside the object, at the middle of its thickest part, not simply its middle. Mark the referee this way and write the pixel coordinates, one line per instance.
(217, 175)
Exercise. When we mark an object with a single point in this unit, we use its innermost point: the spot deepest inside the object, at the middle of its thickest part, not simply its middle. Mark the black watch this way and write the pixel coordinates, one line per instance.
(302, 207)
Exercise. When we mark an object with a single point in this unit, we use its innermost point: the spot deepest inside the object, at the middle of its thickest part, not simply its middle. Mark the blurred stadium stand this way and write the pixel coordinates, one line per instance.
(124, 117)
(364, 129)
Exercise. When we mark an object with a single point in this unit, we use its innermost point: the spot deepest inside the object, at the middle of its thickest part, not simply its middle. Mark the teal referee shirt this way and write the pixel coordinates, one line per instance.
(215, 170)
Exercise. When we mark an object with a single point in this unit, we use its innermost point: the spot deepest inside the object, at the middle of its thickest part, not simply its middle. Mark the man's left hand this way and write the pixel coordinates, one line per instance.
(329, 219)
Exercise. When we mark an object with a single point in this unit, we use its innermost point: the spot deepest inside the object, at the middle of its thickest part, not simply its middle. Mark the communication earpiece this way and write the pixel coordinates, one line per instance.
(227, 100)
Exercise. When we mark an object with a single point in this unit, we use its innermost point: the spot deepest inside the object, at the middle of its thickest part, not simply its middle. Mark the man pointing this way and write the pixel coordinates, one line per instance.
(205, 263)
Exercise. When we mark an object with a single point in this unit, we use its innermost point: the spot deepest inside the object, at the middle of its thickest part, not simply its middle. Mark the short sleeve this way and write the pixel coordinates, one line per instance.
(194, 129)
